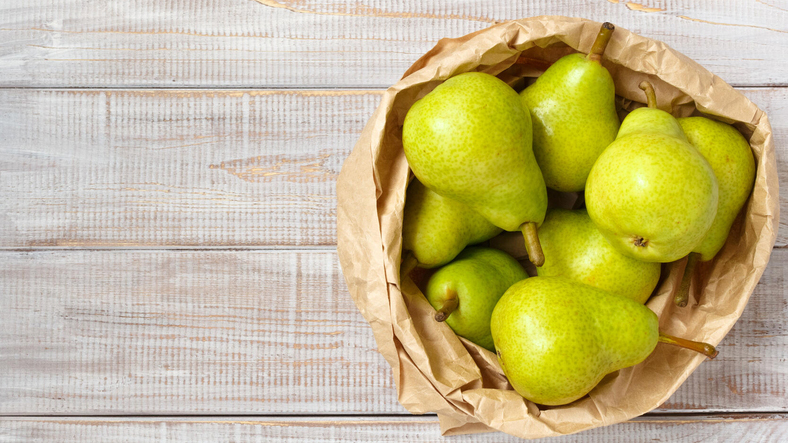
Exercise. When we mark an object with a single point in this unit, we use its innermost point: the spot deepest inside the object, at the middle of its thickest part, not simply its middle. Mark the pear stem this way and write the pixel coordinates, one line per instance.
(682, 296)
(704, 348)
(532, 245)
(409, 263)
(601, 42)
(651, 96)
(449, 305)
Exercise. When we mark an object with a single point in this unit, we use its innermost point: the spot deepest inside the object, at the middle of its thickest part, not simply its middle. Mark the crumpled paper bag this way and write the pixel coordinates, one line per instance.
(435, 371)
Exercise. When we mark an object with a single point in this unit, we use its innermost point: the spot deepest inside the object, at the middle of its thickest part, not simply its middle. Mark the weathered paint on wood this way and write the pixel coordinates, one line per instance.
(322, 43)
(264, 332)
(167, 168)
(120, 332)
(178, 168)
(763, 428)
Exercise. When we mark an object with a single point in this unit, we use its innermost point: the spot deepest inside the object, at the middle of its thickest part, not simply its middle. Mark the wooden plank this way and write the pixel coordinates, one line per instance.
(264, 332)
(738, 428)
(195, 168)
(124, 332)
(323, 43)
(139, 168)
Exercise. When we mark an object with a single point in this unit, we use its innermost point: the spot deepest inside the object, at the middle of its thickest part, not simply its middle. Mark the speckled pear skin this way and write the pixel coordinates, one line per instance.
(480, 276)
(651, 120)
(470, 140)
(574, 118)
(652, 194)
(574, 248)
(435, 229)
(730, 156)
(556, 339)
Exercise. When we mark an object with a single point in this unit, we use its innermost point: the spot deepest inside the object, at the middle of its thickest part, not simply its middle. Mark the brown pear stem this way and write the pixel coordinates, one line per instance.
(409, 263)
(682, 296)
(532, 245)
(704, 348)
(449, 305)
(601, 42)
(651, 96)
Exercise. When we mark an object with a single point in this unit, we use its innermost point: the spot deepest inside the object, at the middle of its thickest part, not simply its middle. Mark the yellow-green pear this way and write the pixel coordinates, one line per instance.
(730, 156)
(573, 111)
(470, 140)
(435, 229)
(651, 193)
(465, 291)
(556, 339)
(574, 248)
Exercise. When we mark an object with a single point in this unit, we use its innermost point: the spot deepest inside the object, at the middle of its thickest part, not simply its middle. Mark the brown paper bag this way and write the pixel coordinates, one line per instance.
(436, 371)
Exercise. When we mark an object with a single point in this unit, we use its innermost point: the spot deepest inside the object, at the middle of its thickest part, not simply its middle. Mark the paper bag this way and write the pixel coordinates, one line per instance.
(436, 371)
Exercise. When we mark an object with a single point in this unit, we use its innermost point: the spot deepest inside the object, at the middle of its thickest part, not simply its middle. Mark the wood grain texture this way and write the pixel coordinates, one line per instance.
(196, 168)
(733, 429)
(119, 332)
(180, 168)
(264, 332)
(322, 43)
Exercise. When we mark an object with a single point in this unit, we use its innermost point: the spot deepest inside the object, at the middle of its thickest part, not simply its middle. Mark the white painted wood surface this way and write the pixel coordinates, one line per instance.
(196, 168)
(324, 43)
(184, 332)
(264, 332)
(732, 429)
(148, 126)
(174, 168)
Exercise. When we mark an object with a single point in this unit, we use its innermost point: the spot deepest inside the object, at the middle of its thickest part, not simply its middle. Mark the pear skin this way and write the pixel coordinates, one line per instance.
(435, 228)
(730, 156)
(556, 339)
(573, 111)
(470, 140)
(651, 121)
(574, 248)
(465, 291)
(651, 193)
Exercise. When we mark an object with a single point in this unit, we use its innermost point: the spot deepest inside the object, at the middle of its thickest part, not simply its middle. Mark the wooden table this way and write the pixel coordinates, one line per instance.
(167, 217)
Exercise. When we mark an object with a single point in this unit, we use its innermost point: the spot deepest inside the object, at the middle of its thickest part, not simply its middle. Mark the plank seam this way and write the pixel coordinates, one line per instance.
(697, 415)
(277, 248)
(378, 88)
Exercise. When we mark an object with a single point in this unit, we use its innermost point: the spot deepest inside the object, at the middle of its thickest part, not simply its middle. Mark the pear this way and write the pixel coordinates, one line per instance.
(730, 156)
(465, 291)
(556, 339)
(435, 229)
(651, 193)
(470, 140)
(574, 248)
(573, 111)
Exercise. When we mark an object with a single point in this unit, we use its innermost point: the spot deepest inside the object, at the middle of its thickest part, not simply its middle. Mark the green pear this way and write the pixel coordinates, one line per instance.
(470, 140)
(730, 156)
(465, 291)
(651, 193)
(574, 248)
(650, 120)
(556, 339)
(573, 111)
(435, 229)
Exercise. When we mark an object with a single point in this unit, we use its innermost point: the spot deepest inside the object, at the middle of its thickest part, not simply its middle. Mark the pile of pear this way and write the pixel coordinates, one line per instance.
(651, 189)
